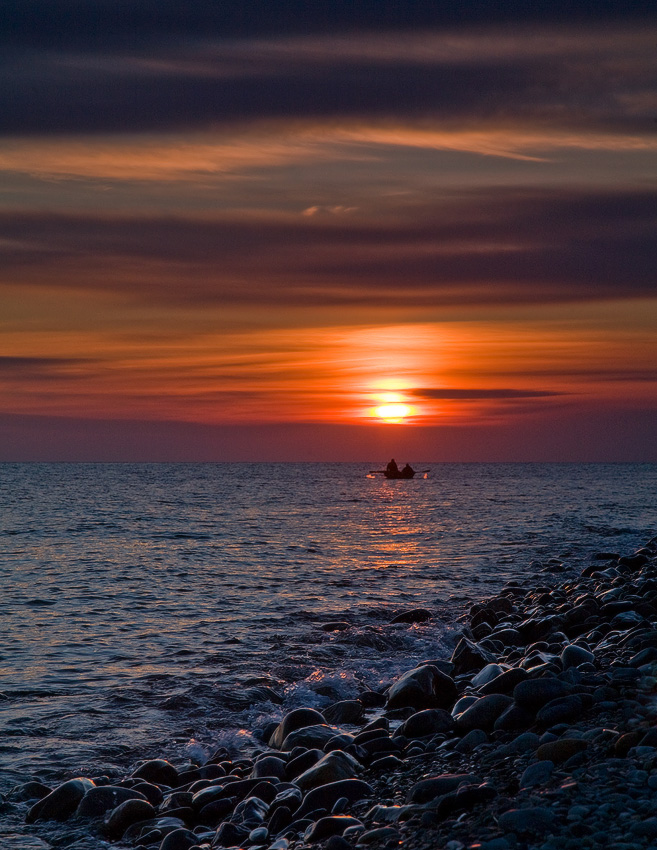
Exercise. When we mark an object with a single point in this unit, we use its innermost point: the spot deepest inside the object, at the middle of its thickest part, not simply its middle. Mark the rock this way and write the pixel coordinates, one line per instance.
(427, 722)
(428, 789)
(533, 694)
(230, 835)
(331, 768)
(157, 771)
(486, 674)
(179, 839)
(152, 793)
(326, 827)
(296, 719)
(560, 750)
(465, 798)
(423, 687)
(250, 812)
(269, 766)
(535, 820)
(417, 615)
(346, 711)
(561, 710)
(536, 774)
(126, 814)
(505, 682)
(525, 743)
(469, 743)
(337, 842)
(483, 713)
(469, 656)
(513, 719)
(28, 791)
(381, 835)
(308, 736)
(213, 813)
(99, 800)
(61, 803)
(325, 796)
(296, 766)
(573, 656)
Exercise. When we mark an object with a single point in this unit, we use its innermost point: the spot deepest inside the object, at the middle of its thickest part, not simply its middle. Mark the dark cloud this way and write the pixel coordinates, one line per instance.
(20, 368)
(473, 394)
(503, 246)
(197, 86)
(65, 23)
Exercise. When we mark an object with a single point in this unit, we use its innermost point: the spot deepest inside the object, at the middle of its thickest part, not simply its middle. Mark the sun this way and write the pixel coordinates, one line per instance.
(393, 409)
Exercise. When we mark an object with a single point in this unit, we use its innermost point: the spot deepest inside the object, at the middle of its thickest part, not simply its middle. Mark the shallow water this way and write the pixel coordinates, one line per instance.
(137, 597)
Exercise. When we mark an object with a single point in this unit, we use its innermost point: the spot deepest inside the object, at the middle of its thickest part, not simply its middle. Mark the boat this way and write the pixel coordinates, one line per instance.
(396, 474)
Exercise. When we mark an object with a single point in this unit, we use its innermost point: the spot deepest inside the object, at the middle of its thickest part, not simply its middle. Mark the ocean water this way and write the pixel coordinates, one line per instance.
(142, 604)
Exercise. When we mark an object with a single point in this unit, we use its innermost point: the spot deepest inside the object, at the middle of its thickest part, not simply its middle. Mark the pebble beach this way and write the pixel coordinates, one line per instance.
(540, 731)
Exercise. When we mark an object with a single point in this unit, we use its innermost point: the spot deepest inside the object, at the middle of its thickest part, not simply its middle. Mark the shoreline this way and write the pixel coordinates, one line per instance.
(540, 732)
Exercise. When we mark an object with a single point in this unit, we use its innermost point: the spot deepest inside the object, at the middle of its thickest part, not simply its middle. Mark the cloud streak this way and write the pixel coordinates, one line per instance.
(494, 247)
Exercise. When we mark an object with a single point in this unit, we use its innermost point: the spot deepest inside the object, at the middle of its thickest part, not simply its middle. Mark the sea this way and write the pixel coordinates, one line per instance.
(164, 610)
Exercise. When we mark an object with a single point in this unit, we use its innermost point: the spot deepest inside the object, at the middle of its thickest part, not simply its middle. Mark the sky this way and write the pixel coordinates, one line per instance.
(329, 231)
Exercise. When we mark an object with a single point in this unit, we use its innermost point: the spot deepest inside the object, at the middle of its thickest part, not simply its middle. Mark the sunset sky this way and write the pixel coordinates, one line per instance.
(328, 231)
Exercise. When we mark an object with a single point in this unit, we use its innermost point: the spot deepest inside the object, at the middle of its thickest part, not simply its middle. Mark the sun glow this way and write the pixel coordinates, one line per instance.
(393, 409)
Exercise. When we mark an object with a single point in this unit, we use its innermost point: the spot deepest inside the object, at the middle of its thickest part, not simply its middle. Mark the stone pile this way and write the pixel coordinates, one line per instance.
(541, 731)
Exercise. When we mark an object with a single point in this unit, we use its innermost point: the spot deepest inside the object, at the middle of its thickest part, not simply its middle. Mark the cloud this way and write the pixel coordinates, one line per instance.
(570, 79)
(471, 394)
(496, 246)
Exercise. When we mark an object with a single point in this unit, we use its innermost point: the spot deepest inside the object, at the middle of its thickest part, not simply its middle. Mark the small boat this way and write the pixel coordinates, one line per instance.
(396, 474)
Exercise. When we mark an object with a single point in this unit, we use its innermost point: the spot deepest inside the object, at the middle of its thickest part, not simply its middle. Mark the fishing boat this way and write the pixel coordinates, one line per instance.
(393, 472)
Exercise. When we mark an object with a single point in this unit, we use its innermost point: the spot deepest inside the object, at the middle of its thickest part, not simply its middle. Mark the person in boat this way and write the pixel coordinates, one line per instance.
(392, 468)
(407, 471)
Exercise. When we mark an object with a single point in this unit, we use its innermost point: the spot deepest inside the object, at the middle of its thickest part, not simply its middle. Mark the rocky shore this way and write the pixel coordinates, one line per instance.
(539, 732)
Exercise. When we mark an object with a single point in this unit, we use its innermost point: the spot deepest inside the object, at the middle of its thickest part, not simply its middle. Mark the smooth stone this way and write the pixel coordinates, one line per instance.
(179, 839)
(61, 803)
(469, 743)
(302, 762)
(308, 736)
(560, 750)
(126, 814)
(331, 768)
(525, 743)
(345, 711)
(560, 710)
(469, 656)
(428, 789)
(461, 704)
(326, 796)
(465, 798)
(152, 793)
(388, 763)
(509, 637)
(337, 842)
(213, 813)
(416, 615)
(98, 800)
(157, 771)
(292, 721)
(29, 791)
(486, 674)
(536, 774)
(250, 812)
(483, 713)
(269, 766)
(535, 820)
(230, 835)
(427, 722)
(339, 742)
(533, 694)
(424, 687)
(258, 835)
(505, 682)
(326, 827)
(381, 835)
(573, 656)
